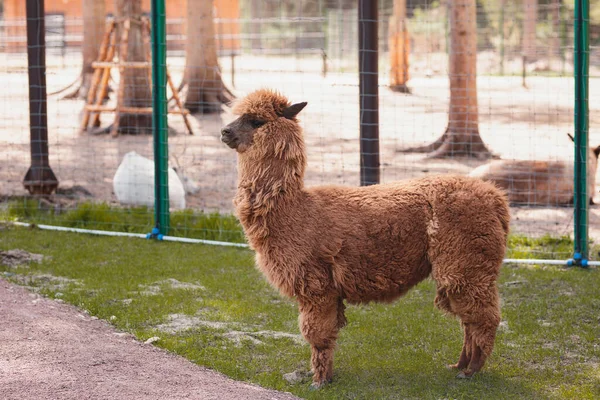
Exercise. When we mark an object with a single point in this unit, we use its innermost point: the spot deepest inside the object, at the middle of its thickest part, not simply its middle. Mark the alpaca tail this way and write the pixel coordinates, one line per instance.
(500, 206)
(503, 213)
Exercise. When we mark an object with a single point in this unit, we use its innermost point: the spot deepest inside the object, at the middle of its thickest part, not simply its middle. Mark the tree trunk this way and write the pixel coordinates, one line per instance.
(94, 24)
(134, 82)
(399, 43)
(529, 23)
(206, 90)
(94, 19)
(461, 138)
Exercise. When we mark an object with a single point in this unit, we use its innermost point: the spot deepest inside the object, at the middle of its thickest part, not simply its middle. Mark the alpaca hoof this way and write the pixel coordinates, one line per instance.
(319, 385)
(464, 375)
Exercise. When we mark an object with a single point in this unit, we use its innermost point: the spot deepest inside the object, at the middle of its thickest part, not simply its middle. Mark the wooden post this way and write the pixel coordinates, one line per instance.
(102, 55)
(399, 43)
(123, 49)
(105, 73)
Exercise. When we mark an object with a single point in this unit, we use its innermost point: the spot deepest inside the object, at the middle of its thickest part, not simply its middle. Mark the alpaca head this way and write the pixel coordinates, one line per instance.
(266, 127)
(594, 152)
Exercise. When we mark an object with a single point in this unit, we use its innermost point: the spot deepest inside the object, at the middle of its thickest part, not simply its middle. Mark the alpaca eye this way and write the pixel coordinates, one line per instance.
(256, 123)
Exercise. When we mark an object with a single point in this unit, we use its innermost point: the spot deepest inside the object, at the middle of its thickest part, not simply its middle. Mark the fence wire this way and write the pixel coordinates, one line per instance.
(222, 49)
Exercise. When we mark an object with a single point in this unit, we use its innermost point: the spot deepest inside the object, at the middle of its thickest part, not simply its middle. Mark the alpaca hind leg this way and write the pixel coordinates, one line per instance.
(482, 344)
(341, 316)
(442, 301)
(465, 354)
(319, 324)
(482, 315)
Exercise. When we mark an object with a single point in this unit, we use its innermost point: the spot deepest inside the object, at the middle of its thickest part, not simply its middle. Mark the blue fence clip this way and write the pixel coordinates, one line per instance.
(155, 234)
(578, 260)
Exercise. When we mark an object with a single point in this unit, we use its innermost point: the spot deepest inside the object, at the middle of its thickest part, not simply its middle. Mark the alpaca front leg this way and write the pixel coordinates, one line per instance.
(319, 324)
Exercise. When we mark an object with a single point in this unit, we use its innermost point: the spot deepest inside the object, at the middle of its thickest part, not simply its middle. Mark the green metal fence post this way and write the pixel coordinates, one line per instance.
(159, 118)
(581, 65)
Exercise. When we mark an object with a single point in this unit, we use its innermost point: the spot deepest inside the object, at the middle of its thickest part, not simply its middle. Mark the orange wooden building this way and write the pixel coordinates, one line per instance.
(69, 13)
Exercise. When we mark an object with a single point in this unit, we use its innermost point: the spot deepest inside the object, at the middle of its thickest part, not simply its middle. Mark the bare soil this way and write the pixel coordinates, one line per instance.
(16, 257)
(51, 350)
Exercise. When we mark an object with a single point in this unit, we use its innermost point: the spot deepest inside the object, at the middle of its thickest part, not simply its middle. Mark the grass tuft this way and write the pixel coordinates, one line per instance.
(102, 216)
(545, 247)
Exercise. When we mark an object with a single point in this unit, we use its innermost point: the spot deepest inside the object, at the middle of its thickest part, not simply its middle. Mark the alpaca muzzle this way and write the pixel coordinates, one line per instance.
(228, 137)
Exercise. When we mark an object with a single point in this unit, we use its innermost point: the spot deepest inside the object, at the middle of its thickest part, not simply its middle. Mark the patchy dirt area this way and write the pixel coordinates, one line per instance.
(155, 288)
(17, 257)
(51, 350)
(231, 330)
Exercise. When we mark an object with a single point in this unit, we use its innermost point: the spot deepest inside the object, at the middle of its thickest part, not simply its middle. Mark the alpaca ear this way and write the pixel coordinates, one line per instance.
(596, 150)
(293, 110)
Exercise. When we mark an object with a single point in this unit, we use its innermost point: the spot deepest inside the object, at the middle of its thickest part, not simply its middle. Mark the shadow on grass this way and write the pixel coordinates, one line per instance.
(382, 383)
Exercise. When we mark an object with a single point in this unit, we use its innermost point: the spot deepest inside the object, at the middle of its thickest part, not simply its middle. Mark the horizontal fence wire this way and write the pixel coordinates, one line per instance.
(519, 111)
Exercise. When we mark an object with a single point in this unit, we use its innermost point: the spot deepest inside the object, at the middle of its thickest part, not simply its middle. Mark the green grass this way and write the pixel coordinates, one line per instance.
(547, 347)
(542, 248)
(102, 216)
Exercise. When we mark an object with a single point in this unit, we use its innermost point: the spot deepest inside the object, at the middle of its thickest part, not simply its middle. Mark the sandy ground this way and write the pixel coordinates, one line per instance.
(516, 123)
(51, 350)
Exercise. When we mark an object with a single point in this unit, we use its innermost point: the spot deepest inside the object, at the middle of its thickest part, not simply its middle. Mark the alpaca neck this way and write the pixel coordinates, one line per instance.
(276, 181)
(265, 194)
(276, 167)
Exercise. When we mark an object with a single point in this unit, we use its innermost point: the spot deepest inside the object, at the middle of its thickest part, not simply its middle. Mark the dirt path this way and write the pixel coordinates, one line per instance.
(51, 350)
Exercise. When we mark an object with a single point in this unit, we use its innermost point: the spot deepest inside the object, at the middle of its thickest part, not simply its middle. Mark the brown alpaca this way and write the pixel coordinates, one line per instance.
(542, 183)
(327, 244)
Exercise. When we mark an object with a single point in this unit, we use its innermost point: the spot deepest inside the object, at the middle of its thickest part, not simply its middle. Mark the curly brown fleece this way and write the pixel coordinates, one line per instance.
(327, 244)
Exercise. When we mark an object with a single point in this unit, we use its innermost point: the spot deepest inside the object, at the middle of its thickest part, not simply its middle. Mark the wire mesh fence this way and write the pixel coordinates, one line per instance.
(519, 110)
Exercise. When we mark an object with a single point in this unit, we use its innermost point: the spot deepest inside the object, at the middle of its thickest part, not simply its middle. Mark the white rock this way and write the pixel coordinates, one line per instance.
(152, 340)
(296, 376)
(133, 182)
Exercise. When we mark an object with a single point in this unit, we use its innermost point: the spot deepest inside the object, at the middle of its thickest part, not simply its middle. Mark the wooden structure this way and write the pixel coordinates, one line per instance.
(102, 67)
